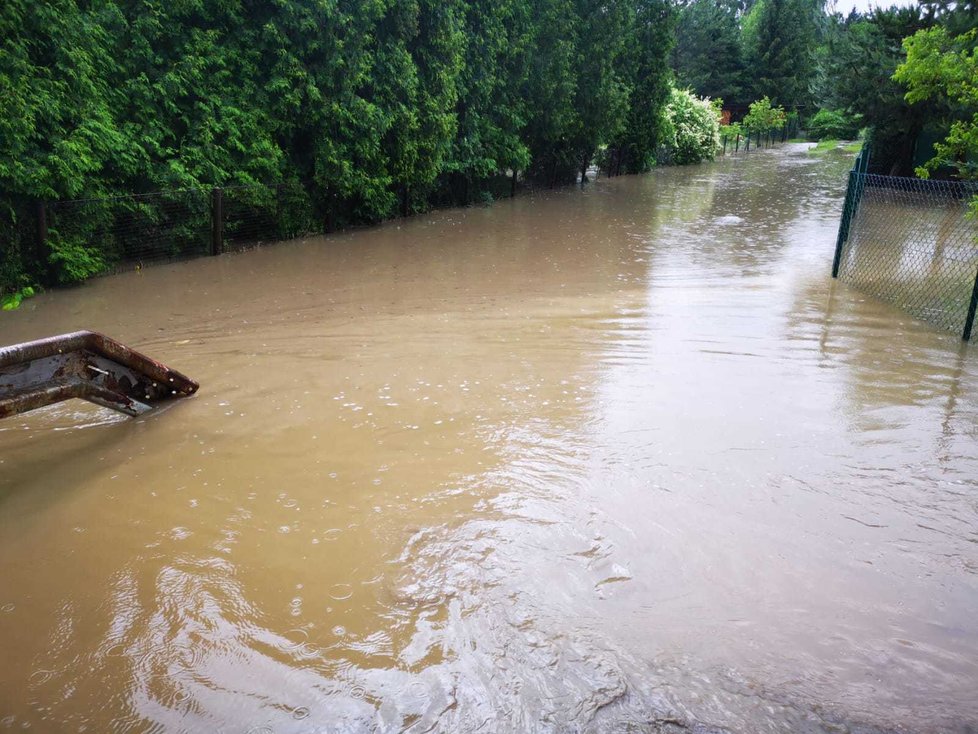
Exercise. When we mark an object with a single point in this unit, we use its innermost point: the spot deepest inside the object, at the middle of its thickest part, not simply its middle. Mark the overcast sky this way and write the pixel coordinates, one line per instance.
(844, 6)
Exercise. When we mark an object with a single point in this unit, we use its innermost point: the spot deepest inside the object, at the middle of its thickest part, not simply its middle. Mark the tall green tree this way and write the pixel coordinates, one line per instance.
(58, 126)
(603, 88)
(491, 110)
(188, 95)
(550, 89)
(648, 75)
(707, 56)
(361, 109)
(943, 66)
(854, 74)
(780, 38)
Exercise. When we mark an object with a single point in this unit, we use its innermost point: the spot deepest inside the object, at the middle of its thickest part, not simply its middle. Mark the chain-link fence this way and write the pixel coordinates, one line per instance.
(914, 243)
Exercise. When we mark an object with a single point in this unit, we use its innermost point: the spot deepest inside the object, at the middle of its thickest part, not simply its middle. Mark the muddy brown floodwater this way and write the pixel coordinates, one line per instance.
(620, 459)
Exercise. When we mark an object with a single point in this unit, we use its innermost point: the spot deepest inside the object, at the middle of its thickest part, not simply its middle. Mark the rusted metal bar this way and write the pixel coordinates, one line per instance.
(86, 365)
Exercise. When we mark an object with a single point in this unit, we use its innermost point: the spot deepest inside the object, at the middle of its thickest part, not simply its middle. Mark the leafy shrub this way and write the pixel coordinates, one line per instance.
(692, 128)
(832, 124)
(13, 300)
(71, 261)
(762, 117)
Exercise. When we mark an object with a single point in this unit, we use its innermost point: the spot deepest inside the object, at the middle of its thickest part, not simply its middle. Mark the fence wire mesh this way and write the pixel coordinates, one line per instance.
(257, 215)
(126, 230)
(914, 243)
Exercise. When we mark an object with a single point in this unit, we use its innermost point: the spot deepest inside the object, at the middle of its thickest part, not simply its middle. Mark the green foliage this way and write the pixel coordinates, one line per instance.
(73, 261)
(762, 116)
(357, 109)
(832, 124)
(491, 109)
(693, 128)
(646, 73)
(945, 67)
(732, 130)
(708, 55)
(57, 123)
(13, 300)
(780, 38)
(550, 91)
(855, 68)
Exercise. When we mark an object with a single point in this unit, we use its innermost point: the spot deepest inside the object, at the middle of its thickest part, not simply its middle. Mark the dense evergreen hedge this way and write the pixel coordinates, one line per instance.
(371, 107)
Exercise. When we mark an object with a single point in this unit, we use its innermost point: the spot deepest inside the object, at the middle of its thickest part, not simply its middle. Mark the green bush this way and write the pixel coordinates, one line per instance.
(13, 300)
(364, 110)
(762, 117)
(692, 128)
(73, 262)
(832, 124)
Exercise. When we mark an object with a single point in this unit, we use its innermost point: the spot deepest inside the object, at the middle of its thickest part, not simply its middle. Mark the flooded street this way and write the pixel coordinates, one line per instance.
(620, 459)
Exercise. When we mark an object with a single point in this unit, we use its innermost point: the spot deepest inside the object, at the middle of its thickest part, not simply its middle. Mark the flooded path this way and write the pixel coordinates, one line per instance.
(616, 460)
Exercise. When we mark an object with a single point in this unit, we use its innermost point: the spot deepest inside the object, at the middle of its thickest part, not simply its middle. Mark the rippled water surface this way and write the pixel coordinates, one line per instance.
(620, 459)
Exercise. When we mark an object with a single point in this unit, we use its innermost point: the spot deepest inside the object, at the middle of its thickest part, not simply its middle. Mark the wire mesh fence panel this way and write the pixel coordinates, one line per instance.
(258, 215)
(913, 243)
(127, 230)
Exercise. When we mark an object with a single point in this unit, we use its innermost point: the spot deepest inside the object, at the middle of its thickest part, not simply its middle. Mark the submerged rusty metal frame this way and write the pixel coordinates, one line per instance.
(86, 365)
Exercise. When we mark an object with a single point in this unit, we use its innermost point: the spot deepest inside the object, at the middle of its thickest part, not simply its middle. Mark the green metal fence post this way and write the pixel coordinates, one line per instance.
(969, 321)
(843, 235)
(854, 191)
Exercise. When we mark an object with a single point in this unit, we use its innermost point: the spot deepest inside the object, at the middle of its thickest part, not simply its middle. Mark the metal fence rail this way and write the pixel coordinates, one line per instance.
(914, 243)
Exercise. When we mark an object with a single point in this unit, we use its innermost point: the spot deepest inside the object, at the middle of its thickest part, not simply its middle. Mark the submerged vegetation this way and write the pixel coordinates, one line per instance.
(368, 109)
(371, 108)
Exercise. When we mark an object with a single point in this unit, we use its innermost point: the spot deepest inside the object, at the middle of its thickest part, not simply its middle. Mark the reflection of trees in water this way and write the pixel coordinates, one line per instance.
(681, 195)
(885, 365)
(739, 222)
